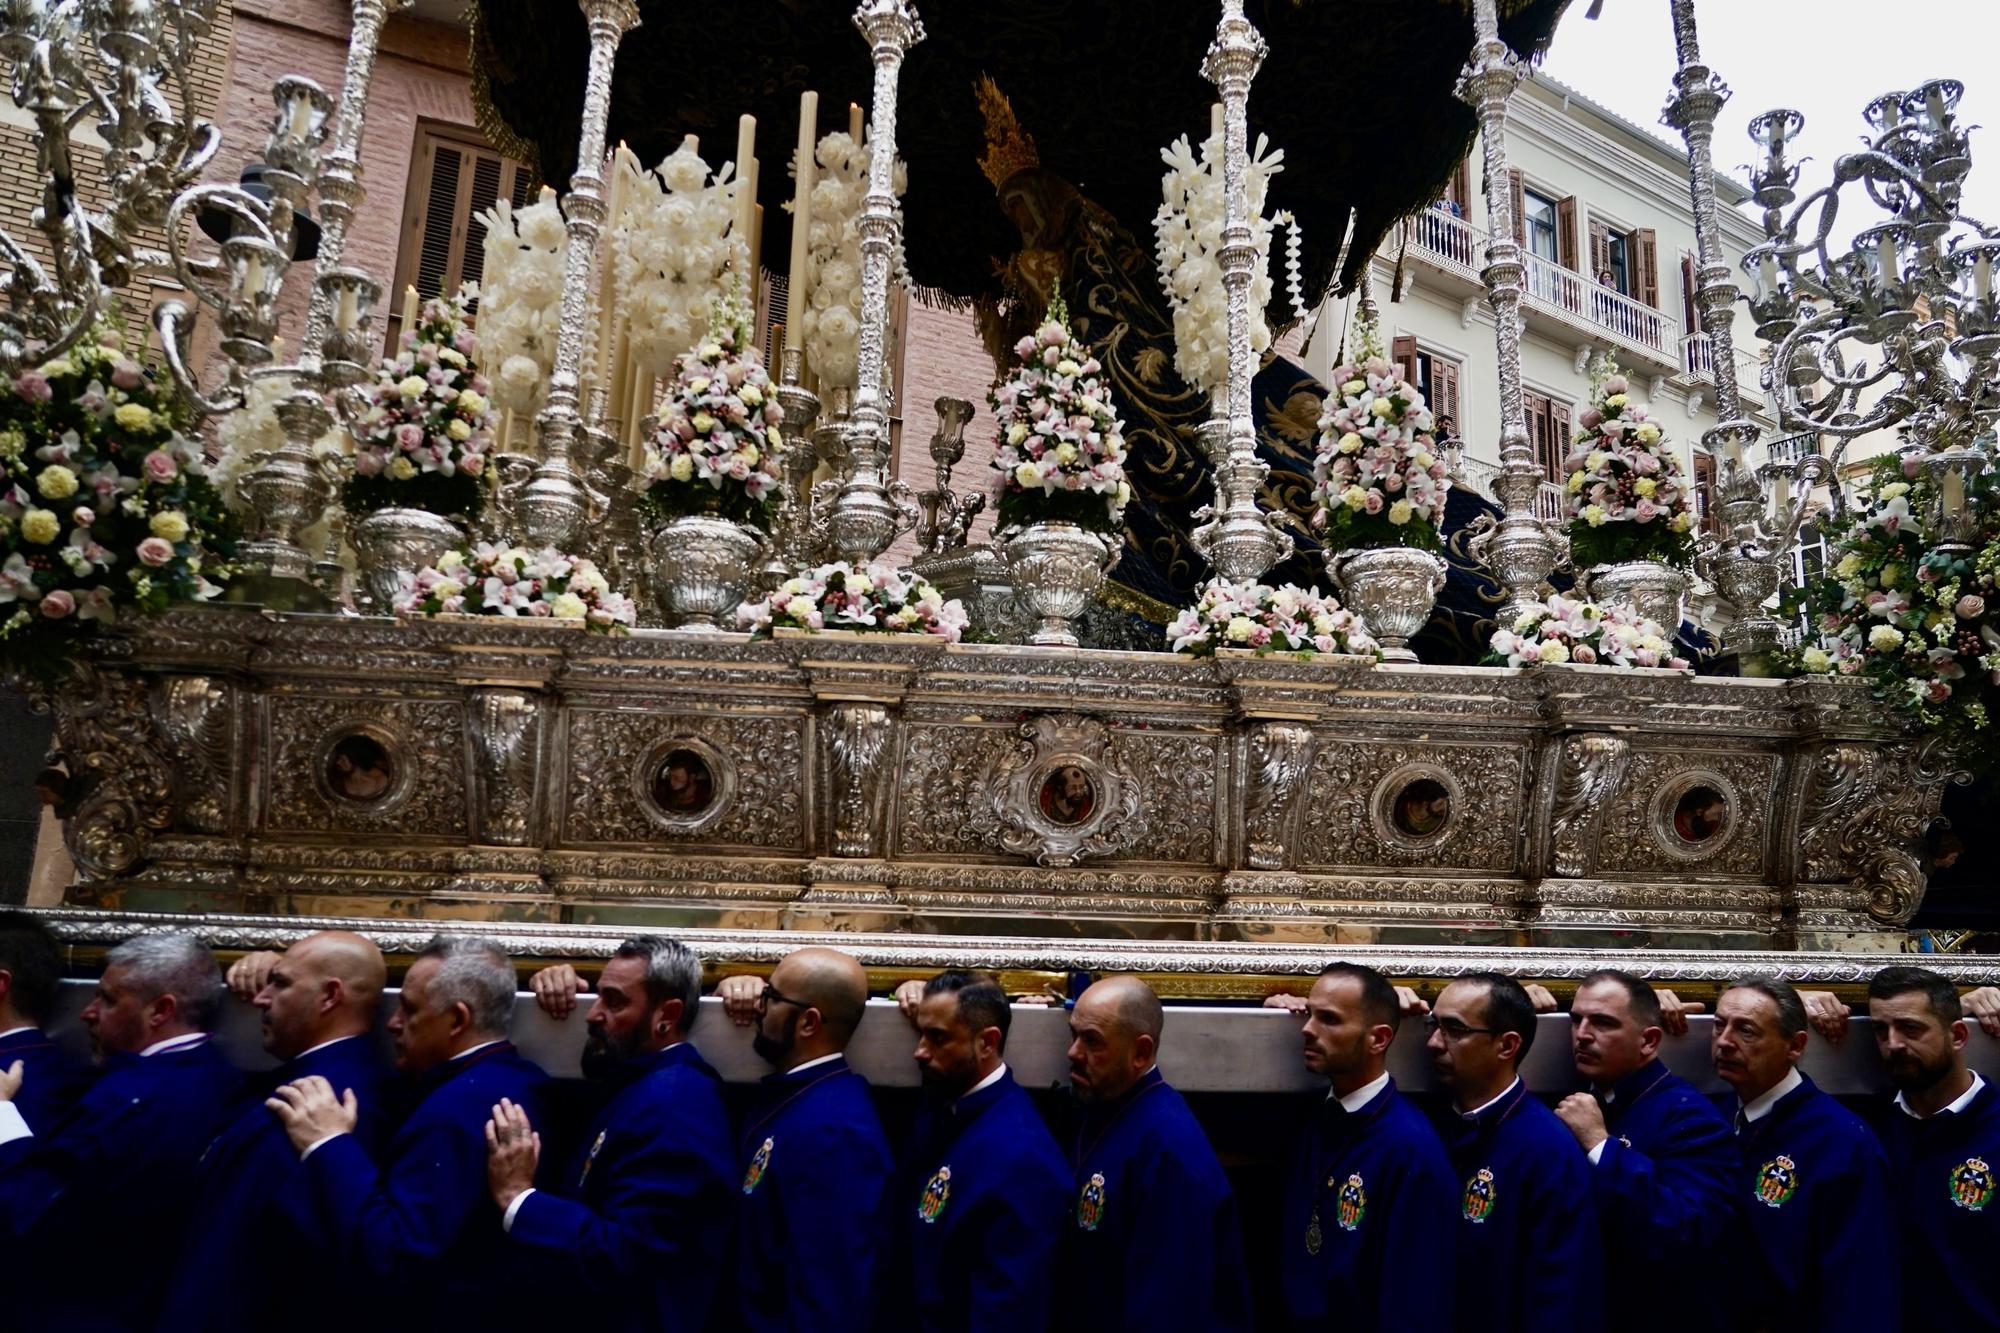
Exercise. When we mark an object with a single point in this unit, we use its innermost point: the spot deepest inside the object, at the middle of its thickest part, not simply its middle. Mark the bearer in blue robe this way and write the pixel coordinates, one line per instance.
(1369, 1227)
(1942, 1133)
(813, 1165)
(1151, 1240)
(242, 1251)
(1662, 1160)
(1529, 1253)
(632, 1229)
(419, 1235)
(978, 1205)
(30, 982)
(126, 1157)
(1812, 1184)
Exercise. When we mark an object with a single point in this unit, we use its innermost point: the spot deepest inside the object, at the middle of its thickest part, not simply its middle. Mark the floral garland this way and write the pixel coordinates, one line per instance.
(829, 310)
(877, 597)
(1919, 623)
(1570, 629)
(1377, 479)
(423, 438)
(1060, 447)
(671, 253)
(520, 299)
(1627, 496)
(493, 580)
(1187, 234)
(715, 448)
(1287, 619)
(105, 502)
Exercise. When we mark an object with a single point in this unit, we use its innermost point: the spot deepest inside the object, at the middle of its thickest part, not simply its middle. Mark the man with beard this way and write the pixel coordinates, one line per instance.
(242, 1251)
(127, 1156)
(419, 1235)
(1661, 1158)
(1151, 1241)
(1942, 1134)
(812, 1159)
(626, 1230)
(30, 980)
(1529, 1255)
(982, 1192)
(1368, 1231)
(1812, 1185)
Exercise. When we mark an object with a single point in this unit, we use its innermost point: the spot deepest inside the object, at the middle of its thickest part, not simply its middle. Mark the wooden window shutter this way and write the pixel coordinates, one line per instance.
(1645, 258)
(1690, 317)
(1444, 399)
(1704, 488)
(1600, 249)
(452, 180)
(1566, 233)
(1460, 189)
(1403, 352)
(1559, 432)
(1519, 192)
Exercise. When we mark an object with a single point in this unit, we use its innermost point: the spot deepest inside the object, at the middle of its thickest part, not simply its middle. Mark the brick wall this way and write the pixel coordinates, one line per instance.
(943, 358)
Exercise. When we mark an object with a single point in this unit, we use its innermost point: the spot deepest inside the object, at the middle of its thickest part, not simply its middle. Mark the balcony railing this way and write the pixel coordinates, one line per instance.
(1698, 356)
(1450, 241)
(1551, 501)
(1791, 448)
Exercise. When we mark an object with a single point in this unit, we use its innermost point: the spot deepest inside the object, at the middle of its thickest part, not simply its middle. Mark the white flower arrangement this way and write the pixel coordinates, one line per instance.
(520, 300)
(1570, 629)
(829, 310)
(1627, 496)
(671, 254)
(715, 449)
(878, 597)
(496, 580)
(1287, 619)
(1188, 243)
(1378, 479)
(1060, 447)
(423, 438)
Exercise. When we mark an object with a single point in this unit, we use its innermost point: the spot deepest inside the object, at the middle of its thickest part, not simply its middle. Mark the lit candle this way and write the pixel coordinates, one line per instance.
(802, 188)
(409, 308)
(1952, 493)
(854, 121)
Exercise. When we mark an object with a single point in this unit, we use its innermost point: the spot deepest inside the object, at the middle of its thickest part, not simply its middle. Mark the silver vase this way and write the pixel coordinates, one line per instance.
(1647, 587)
(1056, 568)
(1392, 589)
(391, 545)
(702, 569)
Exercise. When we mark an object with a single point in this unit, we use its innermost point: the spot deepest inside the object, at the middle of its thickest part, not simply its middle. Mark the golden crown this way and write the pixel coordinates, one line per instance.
(1010, 149)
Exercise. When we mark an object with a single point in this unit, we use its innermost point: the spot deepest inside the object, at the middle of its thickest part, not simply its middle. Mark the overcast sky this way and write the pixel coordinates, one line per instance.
(1826, 59)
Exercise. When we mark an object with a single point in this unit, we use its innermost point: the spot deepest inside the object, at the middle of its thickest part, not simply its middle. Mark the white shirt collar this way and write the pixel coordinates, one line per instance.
(180, 1043)
(472, 1049)
(986, 1082)
(1957, 1106)
(1473, 1114)
(1760, 1106)
(1362, 1095)
(323, 1045)
(25, 1027)
(824, 1059)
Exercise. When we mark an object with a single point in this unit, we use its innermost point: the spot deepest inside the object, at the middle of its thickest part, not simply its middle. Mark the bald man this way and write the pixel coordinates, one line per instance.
(813, 1155)
(1151, 1240)
(241, 1250)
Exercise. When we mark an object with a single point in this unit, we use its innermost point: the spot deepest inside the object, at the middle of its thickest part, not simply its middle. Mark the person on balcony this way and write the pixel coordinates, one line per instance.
(1607, 303)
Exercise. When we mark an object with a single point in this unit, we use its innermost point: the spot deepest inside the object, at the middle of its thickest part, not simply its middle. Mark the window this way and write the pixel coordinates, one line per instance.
(1704, 489)
(1549, 432)
(1539, 219)
(1809, 556)
(454, 177)
(1630, 257)
(1436, 378)
(1615, 265)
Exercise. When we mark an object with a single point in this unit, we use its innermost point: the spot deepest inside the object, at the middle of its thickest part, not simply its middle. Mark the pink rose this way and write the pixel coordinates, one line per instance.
(1936, 692)
(1583, 653)
(83, 516)
(161, 467)
(155, 551)
(1616, 384)
(472, 464)
(1373, 504)
(33, 386)
(57, 604)
(367, 462)
(1970, 607)
(1051, 355)
(1645, 511)
(1911, 467)
(409, 436)
(1589, 418)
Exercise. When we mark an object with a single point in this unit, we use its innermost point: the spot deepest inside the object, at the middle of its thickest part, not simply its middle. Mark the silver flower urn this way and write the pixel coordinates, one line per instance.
(1646, 587)
(703, 567)
(391, 545)
(1392, 589)
(1056, 568)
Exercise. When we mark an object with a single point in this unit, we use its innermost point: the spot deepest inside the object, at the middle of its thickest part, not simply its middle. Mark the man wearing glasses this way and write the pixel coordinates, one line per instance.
(1529, 1255)
(628, 1226)
(812, 1159)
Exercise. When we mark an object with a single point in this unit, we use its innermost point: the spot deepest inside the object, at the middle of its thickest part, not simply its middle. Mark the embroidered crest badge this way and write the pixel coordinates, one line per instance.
(1777, 1181)
(1481, 1191)
(1090, 1203)
(591, 1160)
(1353, 1204)
(1972, 1184)
(937, 1193)
(760, 1162)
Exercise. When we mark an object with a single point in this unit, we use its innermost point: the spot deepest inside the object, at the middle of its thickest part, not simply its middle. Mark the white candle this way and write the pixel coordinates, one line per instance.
(802, 188)
(301, 117)
(253, 278)
(854, 126)
(1885, 256)
(1952, 493)
(410, 308)
(746, 178)
(1215, 120)
(347, 314)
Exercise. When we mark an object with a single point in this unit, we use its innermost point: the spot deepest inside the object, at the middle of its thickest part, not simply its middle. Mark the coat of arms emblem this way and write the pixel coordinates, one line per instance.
(1972, 1184)
(1090, 1203)
(760, 1162)
(1777, 1181)
(1480, 1192)
(937, 1193)
(1353, 1204)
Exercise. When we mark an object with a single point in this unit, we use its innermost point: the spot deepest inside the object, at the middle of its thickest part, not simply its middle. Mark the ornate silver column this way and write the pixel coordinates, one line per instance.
(553, 502)
(793, 544)
(870, 510)
(1239, 539)
(1521, 549)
